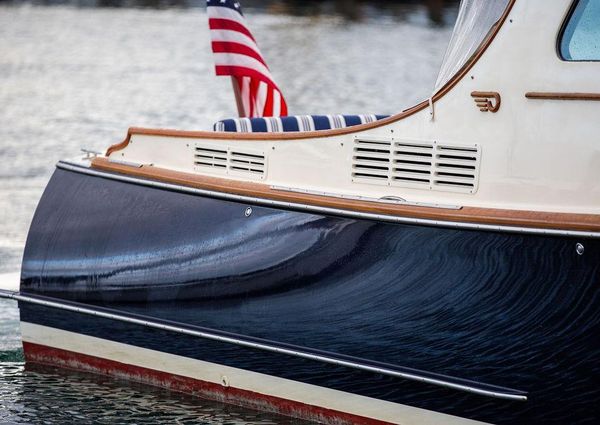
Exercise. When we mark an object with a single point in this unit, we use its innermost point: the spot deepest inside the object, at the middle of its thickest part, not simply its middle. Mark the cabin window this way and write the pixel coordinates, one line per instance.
(580, 39)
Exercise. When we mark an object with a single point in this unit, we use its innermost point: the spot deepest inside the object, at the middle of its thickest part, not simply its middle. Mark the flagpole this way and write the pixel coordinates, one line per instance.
(238, 97)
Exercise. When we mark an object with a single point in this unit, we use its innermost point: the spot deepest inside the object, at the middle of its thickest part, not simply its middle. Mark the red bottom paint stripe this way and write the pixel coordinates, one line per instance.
(36, 353)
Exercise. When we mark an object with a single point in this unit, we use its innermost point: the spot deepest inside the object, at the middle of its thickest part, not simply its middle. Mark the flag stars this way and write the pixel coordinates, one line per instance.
(225, 3)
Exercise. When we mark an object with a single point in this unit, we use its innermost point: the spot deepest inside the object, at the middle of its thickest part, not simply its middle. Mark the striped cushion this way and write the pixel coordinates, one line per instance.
(293, 123)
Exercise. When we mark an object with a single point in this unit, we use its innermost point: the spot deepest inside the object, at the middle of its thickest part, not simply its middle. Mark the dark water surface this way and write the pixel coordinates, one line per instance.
(40, 394)
(78, 77)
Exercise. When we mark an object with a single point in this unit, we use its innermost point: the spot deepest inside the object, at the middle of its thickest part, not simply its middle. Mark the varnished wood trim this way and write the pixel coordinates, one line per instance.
(562, 96)
(119, 146)
(296, 135)
(325, 133)
(533, 219)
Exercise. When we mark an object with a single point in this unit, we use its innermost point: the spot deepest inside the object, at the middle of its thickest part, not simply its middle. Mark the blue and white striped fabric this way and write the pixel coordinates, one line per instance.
(293, 123)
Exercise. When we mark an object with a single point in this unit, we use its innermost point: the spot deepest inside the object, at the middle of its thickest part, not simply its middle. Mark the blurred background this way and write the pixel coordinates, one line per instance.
(353, 10)
(76, 74)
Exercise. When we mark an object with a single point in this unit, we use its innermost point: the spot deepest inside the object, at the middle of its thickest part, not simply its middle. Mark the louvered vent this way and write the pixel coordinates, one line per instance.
(226, 160)
(425, 165)
(371, 160)
(209, 157)
(412, 163)
(247, 162)
(457, 167)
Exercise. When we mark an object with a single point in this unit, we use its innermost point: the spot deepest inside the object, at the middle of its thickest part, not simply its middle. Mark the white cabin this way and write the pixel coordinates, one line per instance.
(512, 125)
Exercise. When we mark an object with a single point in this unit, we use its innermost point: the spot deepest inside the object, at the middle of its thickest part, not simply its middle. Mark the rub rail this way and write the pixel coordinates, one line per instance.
(275, 347)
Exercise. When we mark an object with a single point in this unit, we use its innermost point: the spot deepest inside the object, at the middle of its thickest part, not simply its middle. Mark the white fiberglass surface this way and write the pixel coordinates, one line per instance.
(475, 20)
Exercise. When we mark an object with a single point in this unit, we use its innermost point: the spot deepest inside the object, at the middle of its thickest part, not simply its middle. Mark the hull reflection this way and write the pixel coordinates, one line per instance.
(509, 310)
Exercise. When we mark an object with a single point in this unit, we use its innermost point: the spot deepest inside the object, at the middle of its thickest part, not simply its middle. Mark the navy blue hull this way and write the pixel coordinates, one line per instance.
(513, 310)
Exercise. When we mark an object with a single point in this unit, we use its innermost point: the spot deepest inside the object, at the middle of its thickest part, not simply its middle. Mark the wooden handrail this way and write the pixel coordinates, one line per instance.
(562, 96)
(491, 216)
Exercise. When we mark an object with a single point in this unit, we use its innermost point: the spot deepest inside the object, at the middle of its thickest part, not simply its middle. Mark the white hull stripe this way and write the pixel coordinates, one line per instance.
(213, 373)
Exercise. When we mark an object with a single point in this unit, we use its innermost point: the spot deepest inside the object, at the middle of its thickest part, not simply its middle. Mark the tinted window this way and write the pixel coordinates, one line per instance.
(581, 37)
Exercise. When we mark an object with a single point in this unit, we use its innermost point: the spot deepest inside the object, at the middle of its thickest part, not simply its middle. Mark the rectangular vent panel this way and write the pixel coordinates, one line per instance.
(424, 165)
(225, 160)
(371, 160)
(412, 164)
(208, 157)
(247, 162)
(457, 167)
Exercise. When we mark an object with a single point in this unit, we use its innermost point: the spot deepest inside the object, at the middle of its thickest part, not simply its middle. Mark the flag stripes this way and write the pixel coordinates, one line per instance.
(236, 54)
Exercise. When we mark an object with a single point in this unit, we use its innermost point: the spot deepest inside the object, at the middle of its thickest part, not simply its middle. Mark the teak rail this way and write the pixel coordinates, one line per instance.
(486, 216)
(562, 96)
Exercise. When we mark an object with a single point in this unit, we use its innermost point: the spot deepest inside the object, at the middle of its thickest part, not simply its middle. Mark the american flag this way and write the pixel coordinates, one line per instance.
(237, 55)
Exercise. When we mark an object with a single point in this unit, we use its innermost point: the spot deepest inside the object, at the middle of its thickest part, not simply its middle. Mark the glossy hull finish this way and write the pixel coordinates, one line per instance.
(511, 310)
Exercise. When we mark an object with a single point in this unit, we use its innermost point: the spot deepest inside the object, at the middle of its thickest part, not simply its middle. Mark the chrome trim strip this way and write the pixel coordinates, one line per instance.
(264, 346)
(326, 210)
(127, 163)
(384, 200)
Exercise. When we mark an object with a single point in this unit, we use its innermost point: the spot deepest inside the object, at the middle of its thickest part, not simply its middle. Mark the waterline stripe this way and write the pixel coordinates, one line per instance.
(215, 381)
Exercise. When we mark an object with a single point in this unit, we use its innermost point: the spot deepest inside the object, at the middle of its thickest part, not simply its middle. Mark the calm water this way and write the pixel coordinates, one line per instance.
(73, 78)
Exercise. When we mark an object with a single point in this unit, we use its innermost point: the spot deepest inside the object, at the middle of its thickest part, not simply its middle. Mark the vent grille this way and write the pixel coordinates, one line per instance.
(457, 167)
(247, 162)
(208, 157)
(227, 160)
(413, 163)
(425, 165)
(371, 160)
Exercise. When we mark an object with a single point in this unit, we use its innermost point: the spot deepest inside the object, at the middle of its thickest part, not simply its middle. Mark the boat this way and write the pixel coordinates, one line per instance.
(440, 265)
